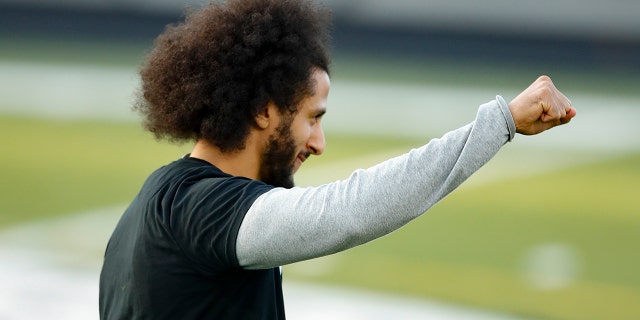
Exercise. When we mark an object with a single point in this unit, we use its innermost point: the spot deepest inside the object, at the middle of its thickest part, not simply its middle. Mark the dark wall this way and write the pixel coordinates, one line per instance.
(138, 26)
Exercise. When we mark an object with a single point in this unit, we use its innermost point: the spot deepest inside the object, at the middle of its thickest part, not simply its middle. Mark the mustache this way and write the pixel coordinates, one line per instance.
(305, 154)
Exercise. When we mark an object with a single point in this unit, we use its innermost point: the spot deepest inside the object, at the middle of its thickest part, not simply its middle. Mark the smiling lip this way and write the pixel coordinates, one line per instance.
(300, 159)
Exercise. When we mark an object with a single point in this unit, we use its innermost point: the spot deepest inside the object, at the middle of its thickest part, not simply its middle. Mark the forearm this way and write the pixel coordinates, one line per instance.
(289, 225)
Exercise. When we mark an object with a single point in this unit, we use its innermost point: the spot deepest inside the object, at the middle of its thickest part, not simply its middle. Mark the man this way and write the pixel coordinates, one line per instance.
(248, 81)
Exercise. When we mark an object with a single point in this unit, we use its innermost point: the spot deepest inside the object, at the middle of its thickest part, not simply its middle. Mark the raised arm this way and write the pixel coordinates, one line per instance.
(289, 225)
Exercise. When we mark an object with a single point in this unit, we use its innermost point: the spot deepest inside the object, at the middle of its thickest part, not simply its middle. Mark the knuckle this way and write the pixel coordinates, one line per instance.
(544, 78)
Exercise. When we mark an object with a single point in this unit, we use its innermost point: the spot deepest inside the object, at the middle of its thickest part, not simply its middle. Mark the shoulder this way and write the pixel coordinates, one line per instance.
(194, 183)
(189, 184)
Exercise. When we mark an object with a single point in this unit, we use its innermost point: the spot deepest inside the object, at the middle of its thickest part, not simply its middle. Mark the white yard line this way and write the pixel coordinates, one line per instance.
(604, 122)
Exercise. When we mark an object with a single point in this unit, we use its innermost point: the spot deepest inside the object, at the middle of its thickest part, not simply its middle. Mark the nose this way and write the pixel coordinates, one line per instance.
(316, 142)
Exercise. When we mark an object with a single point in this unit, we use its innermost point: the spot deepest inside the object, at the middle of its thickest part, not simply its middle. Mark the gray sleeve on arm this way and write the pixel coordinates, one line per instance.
(506, 113)
(289, 225)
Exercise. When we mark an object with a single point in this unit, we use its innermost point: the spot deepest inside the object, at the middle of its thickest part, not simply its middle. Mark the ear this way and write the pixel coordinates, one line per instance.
(266, 116)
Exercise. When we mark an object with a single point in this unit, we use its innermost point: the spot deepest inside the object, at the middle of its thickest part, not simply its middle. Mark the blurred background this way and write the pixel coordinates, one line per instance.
(549, 229)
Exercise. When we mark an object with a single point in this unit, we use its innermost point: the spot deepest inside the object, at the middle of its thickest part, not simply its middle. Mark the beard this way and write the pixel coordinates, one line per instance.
(278, 158)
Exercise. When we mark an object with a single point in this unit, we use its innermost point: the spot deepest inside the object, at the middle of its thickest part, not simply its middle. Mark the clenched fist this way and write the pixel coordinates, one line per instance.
(540, 107)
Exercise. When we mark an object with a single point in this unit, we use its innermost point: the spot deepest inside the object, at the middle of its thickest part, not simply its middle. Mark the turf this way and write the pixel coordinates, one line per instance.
(56, 167)
(51, 168)
(470, 248)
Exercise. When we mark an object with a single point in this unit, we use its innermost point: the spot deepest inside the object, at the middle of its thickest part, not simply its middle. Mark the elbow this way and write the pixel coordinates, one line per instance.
(352, 235)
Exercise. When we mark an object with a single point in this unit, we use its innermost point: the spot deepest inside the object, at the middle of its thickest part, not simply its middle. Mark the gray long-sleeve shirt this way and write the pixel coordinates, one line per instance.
(290, 225)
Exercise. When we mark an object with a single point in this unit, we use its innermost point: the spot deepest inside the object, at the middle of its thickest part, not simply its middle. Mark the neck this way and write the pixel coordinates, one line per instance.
(242, 163)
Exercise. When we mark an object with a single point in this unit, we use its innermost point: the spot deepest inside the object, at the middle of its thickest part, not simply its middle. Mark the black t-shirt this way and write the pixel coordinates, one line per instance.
(172, 254)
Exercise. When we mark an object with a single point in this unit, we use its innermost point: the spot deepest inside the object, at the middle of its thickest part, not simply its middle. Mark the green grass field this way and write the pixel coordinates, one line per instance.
(468, 249)
(472, 248)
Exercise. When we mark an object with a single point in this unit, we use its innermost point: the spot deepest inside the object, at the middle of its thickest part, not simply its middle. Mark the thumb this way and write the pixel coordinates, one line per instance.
(555, 106)
(570, 114)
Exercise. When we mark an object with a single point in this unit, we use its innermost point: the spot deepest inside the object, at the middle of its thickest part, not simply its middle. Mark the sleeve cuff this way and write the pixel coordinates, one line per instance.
(504, 107)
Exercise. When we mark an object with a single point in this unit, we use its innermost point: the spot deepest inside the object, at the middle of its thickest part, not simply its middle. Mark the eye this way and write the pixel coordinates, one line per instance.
(317, 117)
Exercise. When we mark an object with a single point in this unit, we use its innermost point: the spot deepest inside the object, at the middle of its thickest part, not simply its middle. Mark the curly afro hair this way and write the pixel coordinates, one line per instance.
(209, 76)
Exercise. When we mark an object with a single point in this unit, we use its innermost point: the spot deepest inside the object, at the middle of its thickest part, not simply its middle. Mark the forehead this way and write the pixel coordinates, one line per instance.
(321, 80)
(321, 86)
(316, 101)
